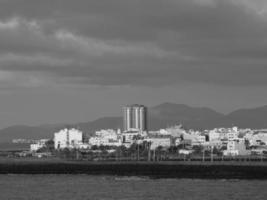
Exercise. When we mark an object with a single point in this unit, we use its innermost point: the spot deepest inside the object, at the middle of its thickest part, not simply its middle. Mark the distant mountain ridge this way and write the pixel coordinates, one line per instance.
(160, 116)
(168, 114)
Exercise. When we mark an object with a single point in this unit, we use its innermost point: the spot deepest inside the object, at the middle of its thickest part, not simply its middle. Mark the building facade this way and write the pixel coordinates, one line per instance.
(236, 147)
(160, 141)
(135, 118)
(38, 145)
(68, 138)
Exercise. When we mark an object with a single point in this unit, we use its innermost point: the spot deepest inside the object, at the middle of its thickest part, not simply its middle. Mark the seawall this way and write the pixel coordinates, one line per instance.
(154, 170)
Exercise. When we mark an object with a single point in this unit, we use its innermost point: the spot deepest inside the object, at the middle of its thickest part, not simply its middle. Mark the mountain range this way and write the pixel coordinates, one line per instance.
(160, 116)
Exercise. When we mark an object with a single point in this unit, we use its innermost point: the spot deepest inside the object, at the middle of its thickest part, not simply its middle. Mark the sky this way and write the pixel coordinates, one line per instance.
(65, 61)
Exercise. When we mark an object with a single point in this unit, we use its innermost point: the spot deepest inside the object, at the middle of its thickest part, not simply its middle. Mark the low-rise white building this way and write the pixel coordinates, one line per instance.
(198, 140)
(108, 133)
(107, 137)
(257, 139)
(236, 147)
(160, 141)
(83, 146)
(98, 141)
(129, 137)
(38, 145)
(68, 138)
(185, 151)
(214, 135)
(232, 134)
(215, 143)
(177, 141)
(223, 133)
(176, 131)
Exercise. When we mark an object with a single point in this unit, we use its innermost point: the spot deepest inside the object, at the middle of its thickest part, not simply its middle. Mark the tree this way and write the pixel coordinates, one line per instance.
(50, 145)
(121, 151)
(198, 149)
(103, 147)
(94, 147)
(247, 144)
(217, 151)
(180, 146)
(158, 152)
(65, 153)
(172, 149)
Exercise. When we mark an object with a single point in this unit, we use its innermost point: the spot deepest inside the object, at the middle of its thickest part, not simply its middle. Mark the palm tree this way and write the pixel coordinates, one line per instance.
(159, 151)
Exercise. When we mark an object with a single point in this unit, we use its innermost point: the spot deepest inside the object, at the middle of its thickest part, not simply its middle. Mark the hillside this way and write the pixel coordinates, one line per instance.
(160, 116)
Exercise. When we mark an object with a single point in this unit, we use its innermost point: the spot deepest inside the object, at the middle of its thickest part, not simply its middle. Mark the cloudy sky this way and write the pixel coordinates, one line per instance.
(72, 61)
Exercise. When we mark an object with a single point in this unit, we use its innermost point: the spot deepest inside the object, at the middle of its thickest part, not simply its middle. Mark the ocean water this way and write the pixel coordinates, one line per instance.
(83, 187)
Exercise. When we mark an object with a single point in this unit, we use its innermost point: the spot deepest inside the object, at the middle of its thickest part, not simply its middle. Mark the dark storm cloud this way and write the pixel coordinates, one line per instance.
(126, 42)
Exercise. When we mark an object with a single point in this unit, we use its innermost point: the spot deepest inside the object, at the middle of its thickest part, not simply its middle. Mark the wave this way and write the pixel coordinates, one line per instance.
(131, 178)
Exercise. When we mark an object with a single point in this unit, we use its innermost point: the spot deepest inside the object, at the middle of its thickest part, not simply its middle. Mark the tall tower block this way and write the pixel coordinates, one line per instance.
(135, 117)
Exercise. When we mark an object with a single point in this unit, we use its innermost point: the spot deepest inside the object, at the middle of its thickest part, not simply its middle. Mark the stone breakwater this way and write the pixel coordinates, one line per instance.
(154, 170)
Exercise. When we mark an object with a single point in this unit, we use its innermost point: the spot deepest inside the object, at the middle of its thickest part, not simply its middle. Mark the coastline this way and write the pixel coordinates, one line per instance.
(164, 169)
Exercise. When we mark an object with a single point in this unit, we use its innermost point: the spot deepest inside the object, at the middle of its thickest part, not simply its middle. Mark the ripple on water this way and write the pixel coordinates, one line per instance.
(82, 187)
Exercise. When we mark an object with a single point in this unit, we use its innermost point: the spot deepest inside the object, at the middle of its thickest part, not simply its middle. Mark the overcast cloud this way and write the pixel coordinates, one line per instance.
(132, 43)
(126, 42)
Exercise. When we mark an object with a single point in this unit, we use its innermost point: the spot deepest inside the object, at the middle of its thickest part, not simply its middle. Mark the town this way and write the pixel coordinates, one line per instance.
(136, 142)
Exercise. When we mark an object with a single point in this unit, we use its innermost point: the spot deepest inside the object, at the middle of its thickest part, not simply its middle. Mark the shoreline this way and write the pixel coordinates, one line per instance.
(164, 169)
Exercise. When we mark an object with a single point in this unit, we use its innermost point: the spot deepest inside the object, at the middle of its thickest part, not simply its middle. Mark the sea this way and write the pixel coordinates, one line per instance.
(87, 187)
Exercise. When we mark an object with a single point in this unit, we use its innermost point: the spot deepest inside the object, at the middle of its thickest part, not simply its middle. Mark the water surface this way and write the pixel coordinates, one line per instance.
(82, 187)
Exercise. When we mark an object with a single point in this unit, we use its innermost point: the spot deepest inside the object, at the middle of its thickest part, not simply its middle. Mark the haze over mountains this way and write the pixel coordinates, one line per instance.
(161, 116)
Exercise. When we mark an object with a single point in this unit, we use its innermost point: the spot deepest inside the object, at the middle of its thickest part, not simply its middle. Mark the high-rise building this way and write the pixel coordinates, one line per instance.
(135, 117)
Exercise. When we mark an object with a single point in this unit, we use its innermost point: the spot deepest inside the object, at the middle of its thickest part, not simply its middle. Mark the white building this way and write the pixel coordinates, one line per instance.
(177, 141)
(129, 137)
(223, 133)
(68, 138)
(215, 143)
(161, 141)
(214, 135)
(38, 145)
(176, 131)
(185, 151)
(107, 137)
(83, 146)
(198, 140)
(98, 141)
(108, 133)
(257, 139)
(236, 147)
(195, 138)
(232, 134)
